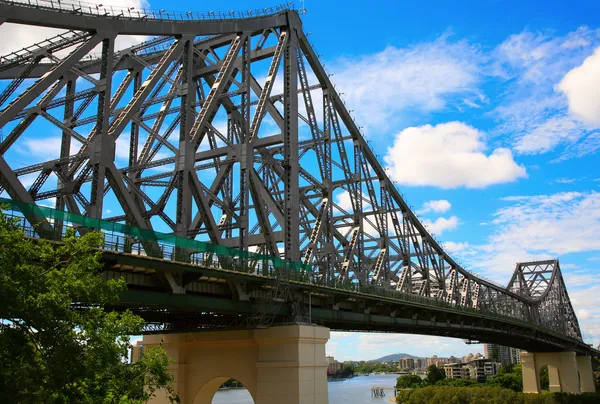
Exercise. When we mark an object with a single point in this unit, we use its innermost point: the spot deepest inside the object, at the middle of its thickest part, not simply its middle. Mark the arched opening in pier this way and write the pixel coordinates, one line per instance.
(221, 390)
(544, 378)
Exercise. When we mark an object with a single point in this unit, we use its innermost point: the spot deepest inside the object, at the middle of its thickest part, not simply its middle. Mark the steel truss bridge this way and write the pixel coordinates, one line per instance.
(224, 132)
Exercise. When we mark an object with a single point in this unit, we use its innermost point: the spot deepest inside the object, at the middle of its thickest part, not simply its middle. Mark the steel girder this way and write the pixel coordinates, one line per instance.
(542, 282)
(284, 174)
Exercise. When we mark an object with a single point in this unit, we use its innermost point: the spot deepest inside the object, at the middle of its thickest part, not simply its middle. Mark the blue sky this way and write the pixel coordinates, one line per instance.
(487, 114)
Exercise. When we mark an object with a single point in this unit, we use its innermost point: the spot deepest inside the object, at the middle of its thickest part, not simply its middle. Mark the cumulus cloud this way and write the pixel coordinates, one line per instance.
(545, 136)
(441, 224)
(449, 155)
(455, 247)
(423, 77)
(22, 36)
(438, 206)
(581, 85)
(544, 73)
(537, 227)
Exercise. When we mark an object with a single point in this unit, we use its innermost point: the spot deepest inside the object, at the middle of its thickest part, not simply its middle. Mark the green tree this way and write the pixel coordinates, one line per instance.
(435, 374)
(458, 382)
(409, 382)
(544, 378)
(509, 368)
(495, 355)
(508, 377)
(513, 381)
(57, 344)
(348, 371)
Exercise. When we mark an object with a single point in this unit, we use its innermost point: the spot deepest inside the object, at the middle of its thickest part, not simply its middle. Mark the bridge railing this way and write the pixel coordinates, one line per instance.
(132, 13)
(130, 240)
(123, 238)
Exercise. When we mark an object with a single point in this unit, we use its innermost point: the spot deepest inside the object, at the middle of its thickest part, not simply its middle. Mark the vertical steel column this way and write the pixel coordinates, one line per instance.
(227, 188)
(359, 271)
(103, 148)
(385, 242)
(246, 150)
(329, 247)
(65, 143)
(290, 162)
(185, 158)
(135, 129)
(133, 155)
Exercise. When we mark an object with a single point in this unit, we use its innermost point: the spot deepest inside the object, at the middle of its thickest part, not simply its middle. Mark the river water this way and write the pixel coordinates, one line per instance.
(352, 391)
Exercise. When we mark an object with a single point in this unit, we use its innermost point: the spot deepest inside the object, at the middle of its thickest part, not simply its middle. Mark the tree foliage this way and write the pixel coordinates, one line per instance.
(495, 354)
(511, 381)
(435, 374)
(508, 377)
(373, 366)
(409, 382)
(488, 394)
(544, 378)
(458, 382)
(57, 344)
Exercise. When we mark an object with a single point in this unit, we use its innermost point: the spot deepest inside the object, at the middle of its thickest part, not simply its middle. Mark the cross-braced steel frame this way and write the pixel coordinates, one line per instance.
(234, 135)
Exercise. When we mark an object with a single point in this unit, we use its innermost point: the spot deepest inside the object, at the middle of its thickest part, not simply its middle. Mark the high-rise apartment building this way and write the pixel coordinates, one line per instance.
(506, 355)
(406, 363)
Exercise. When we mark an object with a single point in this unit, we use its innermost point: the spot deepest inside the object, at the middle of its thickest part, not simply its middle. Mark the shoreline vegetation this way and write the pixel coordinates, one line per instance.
(505, 387)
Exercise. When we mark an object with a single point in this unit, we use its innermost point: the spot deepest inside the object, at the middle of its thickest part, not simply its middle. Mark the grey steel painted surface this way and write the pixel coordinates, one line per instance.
(272, 193)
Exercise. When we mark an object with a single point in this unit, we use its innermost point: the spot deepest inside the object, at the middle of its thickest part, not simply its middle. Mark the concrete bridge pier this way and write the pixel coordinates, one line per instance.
(567, 372)
(283, 364)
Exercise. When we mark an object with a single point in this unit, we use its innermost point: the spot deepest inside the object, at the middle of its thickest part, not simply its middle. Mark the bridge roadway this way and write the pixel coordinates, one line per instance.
(215, 298)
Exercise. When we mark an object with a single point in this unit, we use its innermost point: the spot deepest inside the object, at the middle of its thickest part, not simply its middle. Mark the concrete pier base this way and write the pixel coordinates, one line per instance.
(566, 371)
(284, 364)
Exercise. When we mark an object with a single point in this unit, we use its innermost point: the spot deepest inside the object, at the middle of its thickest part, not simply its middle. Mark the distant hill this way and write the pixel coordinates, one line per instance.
(394, 357)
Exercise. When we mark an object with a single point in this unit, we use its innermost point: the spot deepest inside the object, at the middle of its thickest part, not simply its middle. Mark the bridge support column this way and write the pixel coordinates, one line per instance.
(586, 374)
(562, 371)
(284, 364)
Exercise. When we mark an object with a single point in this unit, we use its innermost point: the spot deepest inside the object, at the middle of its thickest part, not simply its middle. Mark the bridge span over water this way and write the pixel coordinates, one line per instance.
(241, 202)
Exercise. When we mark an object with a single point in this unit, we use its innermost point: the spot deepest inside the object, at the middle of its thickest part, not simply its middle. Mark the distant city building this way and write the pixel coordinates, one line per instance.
(506, 355)
(334, 366)
(471, 357)
(406, 363)
(420, 363)
(478, 369)
(515, 356)
(435, 360)
(453, 370)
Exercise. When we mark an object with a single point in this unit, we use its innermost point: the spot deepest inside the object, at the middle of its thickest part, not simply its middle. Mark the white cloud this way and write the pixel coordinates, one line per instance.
(438, 206)
(452, 247)
(585, 303)
(22, 36)
(441, 224)
(344, 201)
(581, 85)
(537, 227)
(424, 77)
(449, 155)
(534, 115)
(545, 136)
(542, 58)
(41, 149)
(561, 223)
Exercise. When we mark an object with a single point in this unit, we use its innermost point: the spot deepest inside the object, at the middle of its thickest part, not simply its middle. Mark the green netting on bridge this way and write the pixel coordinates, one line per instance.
(122, 237)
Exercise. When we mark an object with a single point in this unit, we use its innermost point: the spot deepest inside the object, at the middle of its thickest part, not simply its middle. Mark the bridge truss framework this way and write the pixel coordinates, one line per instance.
(229, 130)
